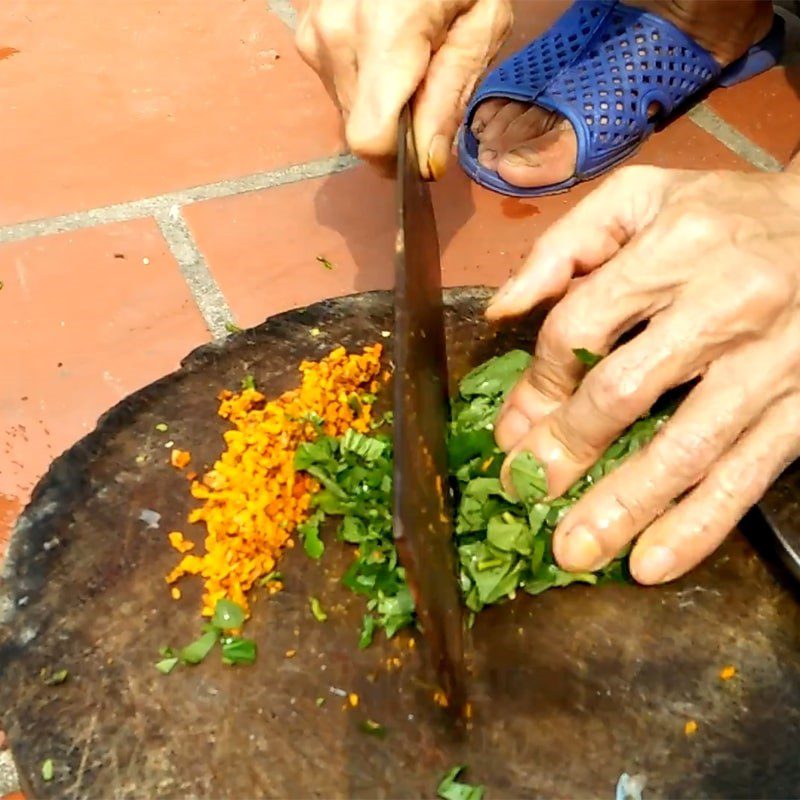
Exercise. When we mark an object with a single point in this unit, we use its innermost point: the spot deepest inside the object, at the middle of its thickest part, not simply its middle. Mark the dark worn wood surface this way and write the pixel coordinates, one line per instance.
(570, 689)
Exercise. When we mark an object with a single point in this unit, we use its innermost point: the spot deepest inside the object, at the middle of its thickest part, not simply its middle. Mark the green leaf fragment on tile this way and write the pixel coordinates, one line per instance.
(309, 533)
(324, 261)
(232, 327)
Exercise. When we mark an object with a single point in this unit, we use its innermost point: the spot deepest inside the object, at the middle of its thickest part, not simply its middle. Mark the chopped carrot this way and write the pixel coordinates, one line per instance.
(726, 673)
(179, 458)
(179, 542)
(176, 593)
(290, 654)
(440, 698)
(352, 699)
(252, 498)
(690, 728)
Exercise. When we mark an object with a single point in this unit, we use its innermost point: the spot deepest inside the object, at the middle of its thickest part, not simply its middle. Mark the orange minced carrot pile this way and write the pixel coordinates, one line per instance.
(252, 498)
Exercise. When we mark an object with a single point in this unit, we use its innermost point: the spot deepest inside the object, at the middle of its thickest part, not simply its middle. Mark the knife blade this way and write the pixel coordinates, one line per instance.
(423, 525)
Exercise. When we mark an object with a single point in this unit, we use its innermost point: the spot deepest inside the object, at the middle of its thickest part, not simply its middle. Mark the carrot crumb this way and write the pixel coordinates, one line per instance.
(440, 698)
(726, 673)
(179, 542)
(352, 699)
(176, 593)
(180, 458)
(252, 500)
(690, 728)
(290, 653)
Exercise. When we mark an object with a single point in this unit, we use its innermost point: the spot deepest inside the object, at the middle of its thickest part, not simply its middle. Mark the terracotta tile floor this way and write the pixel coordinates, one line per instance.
(155, 104)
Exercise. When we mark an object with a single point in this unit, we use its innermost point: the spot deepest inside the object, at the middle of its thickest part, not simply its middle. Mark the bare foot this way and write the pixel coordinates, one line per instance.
(529, 146)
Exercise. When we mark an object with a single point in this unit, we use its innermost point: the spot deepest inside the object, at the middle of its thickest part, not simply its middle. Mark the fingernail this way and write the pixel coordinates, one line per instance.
(511, 426)
(438, 155)
(486, 157)
(581, 551)
(522, 157)
(655, 565)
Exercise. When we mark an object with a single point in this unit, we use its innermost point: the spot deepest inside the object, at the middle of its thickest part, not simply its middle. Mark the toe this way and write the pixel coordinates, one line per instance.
(541, 160)
(489, 140)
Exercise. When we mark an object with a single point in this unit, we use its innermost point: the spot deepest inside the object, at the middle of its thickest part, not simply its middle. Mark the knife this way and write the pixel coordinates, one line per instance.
(423, 521)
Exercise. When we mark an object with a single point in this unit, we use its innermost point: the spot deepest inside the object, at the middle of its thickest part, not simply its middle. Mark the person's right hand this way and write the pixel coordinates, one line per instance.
(373, 55)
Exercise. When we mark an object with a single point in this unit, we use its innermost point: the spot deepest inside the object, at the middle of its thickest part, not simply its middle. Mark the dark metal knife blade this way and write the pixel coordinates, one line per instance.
(423, 522)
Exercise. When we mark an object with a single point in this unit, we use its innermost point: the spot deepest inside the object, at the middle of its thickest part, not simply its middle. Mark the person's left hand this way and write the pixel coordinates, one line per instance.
(712, 261)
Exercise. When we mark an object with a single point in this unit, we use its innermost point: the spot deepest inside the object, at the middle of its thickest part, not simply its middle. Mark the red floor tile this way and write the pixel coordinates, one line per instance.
(262, 247)
(112, 102)
(81, 328)
(766, 109)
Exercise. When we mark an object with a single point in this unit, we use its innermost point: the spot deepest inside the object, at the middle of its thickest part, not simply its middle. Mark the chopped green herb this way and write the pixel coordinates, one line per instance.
(309, 533)
(587, 357)
(162, 427)
(54, 678)
(324, 261)
(451, 789)
(248, 382)
(166, 665)
(372, 728)
(320, 701)
(270, 577)
(237, 650)
(228, 615)
(503, 543)
(316, 610)
(232, 327)
(195, 652)
(48, 770)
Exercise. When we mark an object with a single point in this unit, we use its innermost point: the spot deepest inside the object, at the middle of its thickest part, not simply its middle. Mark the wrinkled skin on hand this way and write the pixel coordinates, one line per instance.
(373, 55)
(711, 262)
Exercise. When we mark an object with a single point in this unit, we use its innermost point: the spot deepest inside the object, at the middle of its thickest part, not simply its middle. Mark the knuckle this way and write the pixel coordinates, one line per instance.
(686, 453)
(614, 389)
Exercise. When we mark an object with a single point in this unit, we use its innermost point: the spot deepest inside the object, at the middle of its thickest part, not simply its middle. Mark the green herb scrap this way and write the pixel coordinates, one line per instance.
(54, 677)
(504, 543)
(48, 770)
(228, 616)
(587, 357)
(451, 789)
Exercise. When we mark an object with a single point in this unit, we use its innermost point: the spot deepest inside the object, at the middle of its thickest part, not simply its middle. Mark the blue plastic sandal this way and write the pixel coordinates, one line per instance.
(601, 66)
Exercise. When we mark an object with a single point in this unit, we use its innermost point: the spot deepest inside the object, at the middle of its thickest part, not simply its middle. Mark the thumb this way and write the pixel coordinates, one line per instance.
(472, 41)
(585, 237)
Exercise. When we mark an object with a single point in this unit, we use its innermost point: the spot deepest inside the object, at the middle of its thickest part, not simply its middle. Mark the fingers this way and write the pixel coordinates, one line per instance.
(325, 42)
(729, 399)
(694, 528)
(594, 314)
(585, 238)
(441, 99)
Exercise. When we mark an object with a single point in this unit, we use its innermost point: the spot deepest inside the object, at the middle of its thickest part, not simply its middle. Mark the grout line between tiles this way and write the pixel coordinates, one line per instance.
(205, 290)
(284, 11)
(706, 118)
(151, 206)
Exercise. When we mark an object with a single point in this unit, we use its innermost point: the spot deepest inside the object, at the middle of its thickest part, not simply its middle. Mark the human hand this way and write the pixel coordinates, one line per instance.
(711, 260)
(373, 56)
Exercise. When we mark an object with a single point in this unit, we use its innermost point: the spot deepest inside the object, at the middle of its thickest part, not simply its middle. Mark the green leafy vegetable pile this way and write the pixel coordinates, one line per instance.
(503, 543)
